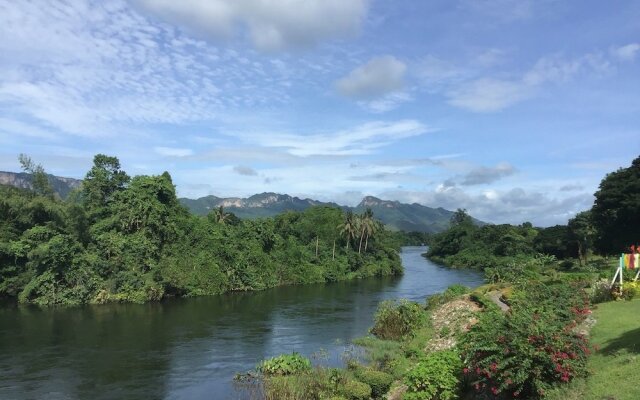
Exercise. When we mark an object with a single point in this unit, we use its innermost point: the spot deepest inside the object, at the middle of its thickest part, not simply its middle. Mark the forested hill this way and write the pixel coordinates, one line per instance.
(395, 215)
(128, 239)
(61, 186)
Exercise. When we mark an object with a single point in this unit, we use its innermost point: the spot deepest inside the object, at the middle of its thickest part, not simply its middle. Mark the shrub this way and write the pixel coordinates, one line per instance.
(435, 377)
(601, 291)
(379, 381)
(449, 294)
(532, 348)
(285, 364)
(294, 387)
(630, 290)
(395, 320)
(356, 390)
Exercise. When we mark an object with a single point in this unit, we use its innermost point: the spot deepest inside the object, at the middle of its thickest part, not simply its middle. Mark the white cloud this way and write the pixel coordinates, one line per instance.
(488, 95)
(99, 69)
(378, 77)
(513, 206)
(17, 128)
(436, 73)
(491, 94)
(271, 24)
(484, 175)
(385, 103)
(244, 170)
(555, 69)
(173, 151)
(362, 139)
(627, 52)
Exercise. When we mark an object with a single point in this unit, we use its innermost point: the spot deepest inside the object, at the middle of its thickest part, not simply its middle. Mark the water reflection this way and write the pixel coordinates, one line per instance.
(191, 348)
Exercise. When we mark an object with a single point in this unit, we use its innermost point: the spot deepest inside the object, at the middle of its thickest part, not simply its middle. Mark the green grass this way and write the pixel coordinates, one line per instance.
(615, 366)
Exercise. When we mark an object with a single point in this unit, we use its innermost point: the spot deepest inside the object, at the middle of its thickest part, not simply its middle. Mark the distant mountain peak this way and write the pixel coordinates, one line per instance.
(61, 186)
(396, 215)
(372, 201)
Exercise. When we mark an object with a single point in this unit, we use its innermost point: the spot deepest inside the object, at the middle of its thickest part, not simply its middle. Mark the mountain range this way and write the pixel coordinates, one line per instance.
(395, 215)
(61, 186)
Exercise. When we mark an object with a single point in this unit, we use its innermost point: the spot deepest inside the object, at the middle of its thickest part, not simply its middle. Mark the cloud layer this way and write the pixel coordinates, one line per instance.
(378, 77)
(272, 25)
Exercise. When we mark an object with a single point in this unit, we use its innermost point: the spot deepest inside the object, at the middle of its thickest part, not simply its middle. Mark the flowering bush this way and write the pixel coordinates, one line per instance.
(533, 347)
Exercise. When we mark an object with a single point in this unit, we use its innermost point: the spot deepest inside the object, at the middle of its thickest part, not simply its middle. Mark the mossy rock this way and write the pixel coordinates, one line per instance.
(356, 390)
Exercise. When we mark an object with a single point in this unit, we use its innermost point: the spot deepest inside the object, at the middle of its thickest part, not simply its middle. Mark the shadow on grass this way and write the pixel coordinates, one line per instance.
(629, 341)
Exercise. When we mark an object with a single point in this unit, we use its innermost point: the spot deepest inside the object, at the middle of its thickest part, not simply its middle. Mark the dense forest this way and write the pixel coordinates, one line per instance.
(608, 228)
(122, 238)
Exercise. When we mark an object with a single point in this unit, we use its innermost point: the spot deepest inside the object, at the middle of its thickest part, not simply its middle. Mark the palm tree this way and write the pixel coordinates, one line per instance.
(220, 216)
(348, 228)
(375, 228)
(367, 228)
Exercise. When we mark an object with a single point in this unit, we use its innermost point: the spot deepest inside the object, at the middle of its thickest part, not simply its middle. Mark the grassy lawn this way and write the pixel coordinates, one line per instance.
(616, 365)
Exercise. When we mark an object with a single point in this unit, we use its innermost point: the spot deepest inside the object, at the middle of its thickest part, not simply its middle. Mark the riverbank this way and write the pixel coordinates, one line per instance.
(189, 348)
(461, 344)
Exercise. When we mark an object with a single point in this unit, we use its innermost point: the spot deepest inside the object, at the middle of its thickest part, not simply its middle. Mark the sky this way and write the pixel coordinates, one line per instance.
(512, 109)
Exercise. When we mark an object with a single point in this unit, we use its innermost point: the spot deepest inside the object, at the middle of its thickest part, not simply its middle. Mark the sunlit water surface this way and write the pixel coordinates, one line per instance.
(192, 348)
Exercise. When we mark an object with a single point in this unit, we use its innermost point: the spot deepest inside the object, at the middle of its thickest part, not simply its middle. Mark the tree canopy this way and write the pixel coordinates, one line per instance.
(616, 212)
(128, 239)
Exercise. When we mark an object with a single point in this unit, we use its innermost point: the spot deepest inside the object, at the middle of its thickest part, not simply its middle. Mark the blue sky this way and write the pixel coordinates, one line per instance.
(512, 109)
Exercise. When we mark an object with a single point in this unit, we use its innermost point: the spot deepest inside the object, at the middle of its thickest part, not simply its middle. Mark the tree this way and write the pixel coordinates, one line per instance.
(349, 227)
(581, 231)
(461, 217)
(616, 212)
(555, 241)
(219, 216)
(39, 178)
(367, 228)
(102, 181)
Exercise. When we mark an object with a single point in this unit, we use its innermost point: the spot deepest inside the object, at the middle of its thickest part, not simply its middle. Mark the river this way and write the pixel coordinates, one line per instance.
(192, 348)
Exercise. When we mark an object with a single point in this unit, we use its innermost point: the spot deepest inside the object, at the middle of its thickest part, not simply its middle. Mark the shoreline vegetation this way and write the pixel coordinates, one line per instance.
(527, 333)
(127, 239)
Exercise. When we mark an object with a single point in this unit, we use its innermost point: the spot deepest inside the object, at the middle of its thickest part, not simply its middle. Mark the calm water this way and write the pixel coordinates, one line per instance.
(191, 348)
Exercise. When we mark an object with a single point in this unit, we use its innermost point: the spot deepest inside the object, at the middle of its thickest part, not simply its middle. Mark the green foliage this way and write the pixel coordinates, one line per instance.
(466, 245)
(630, 290)
(395, 320)
(377, 380)
(434, 377)
(449, 294)
(356, 390)
(557, 241)
(533, 347)
(128, 239)
(312, 385)
(39, 178)
(285, 364)
(616, 212)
